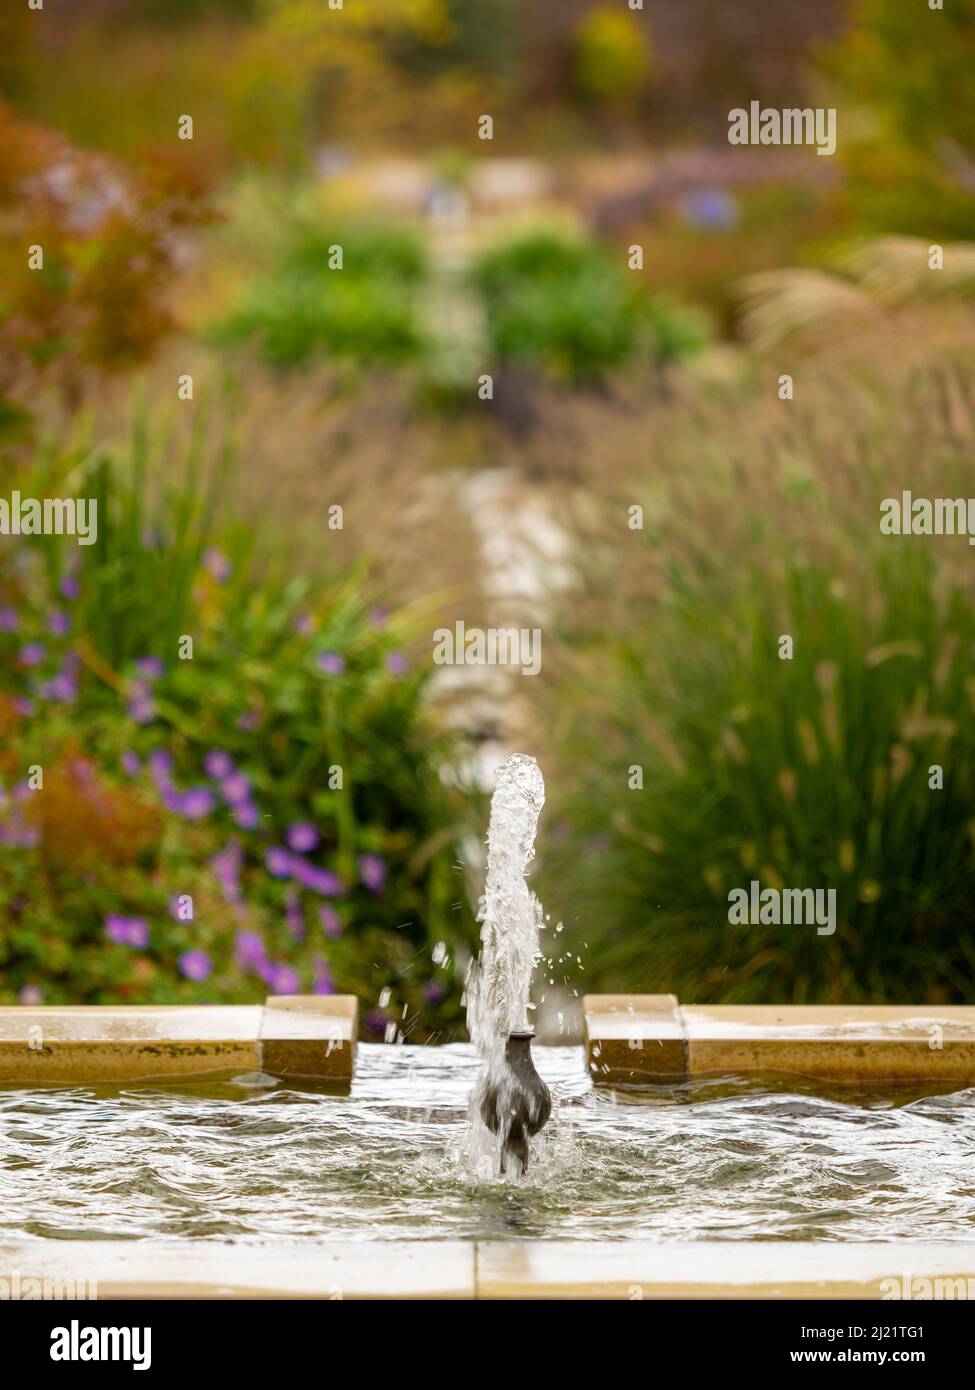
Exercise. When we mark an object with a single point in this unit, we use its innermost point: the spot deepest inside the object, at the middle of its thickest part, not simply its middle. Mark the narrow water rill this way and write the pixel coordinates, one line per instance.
(510, 1103)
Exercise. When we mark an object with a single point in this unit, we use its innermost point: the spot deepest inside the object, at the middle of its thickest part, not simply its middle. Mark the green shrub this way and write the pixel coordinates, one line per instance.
(572, 309)
(298, 715)
(364, 313)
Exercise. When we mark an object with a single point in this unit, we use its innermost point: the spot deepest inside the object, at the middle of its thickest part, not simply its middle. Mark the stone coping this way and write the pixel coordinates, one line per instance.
(640, 1038)
(311, 1036)
(529, 1269)
(629, 1039)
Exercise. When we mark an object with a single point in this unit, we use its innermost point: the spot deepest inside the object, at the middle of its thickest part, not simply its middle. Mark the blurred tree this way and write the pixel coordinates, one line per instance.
(87, 253)
(612, 57)
(15, 47)
(906, 113)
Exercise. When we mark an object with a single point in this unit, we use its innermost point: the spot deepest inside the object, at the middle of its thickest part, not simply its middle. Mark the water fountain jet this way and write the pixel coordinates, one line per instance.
(510, 1102)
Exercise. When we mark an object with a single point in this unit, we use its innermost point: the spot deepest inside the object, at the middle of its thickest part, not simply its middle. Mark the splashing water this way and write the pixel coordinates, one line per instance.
(499, 984)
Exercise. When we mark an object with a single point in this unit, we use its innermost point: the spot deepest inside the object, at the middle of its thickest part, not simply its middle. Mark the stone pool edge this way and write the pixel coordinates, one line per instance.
(641, 1038)
(628, 1039)
(491, 1270)
(308, 1036)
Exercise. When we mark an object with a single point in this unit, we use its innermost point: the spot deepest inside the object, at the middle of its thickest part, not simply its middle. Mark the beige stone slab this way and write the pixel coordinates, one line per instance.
(86, 1043)
(633, 1038)
(493, 1269)
(722, 1269)
(875, 1043)
(310, 1035)
(291, 1035)
(211, 1269)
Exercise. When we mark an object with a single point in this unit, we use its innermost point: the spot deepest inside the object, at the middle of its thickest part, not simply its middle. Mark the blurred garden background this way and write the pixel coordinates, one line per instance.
(260, 341)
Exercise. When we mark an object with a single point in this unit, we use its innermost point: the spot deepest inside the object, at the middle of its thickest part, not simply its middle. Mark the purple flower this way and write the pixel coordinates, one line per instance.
(216, 564)
(226, 867)
(62, 688)
(318, 880)
(130, 763)
(433, 992)
(397, 663)
(322, 982)
(372, 872)
(59, 623)
(284, 980)
(304, 624)
(331, 663)
(218, 764)
(329, 919)
(23, 705)
(249, 721)
(138, 933)
(69, 586)
(117, 929)
(236, 788)
(302, 837)
(195, 965)
(376, 1021)
(196, 803)
(160, 765)
(293, 915)
(247, 816)
(379, 617)
(711, 208)
(127, 931)
(228, 861)
(9, 621)
(19, 833)
(251, 954)
(278, 862)
(32, 655)
(31, 994)
(142, 710)
(150, 667)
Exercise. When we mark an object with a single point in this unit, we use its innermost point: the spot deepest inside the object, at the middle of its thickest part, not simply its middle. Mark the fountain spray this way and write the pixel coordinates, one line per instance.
(510, 1102)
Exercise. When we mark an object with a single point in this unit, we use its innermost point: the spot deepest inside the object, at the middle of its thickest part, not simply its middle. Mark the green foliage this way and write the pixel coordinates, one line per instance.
(907, 102)
(571, 308)
(318, 720)
(363, 313)
(812, 772)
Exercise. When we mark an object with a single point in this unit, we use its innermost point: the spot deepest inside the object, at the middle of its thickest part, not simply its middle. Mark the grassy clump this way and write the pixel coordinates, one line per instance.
(762, 522)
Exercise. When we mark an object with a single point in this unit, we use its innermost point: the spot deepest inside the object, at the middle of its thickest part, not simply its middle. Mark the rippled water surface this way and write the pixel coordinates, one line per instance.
(722, 1159)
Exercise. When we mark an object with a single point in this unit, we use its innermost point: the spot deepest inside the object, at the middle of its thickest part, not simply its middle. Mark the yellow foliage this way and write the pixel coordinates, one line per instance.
(613, 58)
